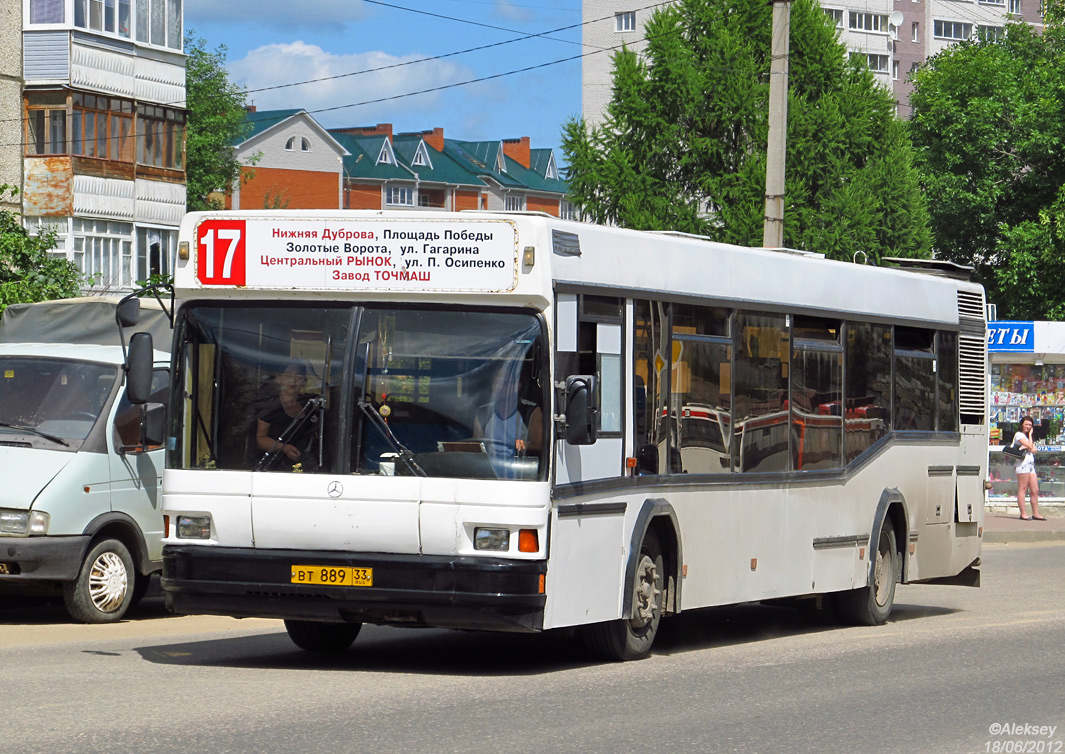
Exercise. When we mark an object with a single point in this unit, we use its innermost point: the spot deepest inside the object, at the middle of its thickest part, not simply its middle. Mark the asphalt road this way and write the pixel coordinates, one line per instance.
(955, 670)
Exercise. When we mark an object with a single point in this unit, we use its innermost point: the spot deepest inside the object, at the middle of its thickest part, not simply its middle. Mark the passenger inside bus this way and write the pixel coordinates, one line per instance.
(287, 427)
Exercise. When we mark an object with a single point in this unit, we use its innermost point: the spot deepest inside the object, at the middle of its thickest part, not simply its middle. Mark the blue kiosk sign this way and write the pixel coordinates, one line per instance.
(1011, 337)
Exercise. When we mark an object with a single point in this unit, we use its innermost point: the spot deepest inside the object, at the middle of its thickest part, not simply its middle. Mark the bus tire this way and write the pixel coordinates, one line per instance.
(103, 588)
(622, 640)
(871, 605)
(315, 636)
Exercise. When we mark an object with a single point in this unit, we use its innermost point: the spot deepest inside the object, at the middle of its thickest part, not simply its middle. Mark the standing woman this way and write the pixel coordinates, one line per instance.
(1026, 479)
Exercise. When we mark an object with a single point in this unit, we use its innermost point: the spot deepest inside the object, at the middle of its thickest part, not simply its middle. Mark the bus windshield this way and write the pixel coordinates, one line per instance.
(361, 390)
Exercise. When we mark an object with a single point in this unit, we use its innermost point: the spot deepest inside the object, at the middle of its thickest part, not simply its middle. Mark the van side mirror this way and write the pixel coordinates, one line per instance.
(582, 409)
(139, 365)
(150, 429)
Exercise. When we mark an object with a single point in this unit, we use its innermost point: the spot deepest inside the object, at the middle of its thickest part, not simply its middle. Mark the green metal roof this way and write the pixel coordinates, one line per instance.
(261, 120)
(362, 162)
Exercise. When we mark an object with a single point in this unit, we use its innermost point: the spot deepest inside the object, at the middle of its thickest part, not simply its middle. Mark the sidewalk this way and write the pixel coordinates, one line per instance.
(1002, 524)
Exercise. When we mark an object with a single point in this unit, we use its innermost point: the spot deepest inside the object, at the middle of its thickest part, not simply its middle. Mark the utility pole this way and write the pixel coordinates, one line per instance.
(773, 228)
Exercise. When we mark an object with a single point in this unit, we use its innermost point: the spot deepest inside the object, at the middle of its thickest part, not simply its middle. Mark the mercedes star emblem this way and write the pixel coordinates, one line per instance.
(336, 489)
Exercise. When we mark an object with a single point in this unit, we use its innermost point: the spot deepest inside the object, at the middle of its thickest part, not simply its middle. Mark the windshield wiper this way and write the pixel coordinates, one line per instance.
(379, 421)
(38, 432)
(291, 431)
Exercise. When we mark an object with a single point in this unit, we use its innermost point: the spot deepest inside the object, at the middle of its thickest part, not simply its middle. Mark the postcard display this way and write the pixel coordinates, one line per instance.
(1019, 390)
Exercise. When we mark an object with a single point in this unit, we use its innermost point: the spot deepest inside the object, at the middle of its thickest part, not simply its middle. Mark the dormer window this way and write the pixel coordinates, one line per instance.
(305, 144)
(552, 169)
(421, 157)
(386, 156)
(290, 145)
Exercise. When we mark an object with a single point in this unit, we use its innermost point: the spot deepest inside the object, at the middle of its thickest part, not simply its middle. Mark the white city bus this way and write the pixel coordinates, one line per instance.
(512, 422)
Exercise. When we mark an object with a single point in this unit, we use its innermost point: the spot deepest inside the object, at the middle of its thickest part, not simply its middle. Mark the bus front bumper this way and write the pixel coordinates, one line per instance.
(408, 590)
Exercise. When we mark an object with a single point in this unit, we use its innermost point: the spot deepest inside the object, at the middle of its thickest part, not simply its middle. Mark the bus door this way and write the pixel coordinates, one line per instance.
(589, 337)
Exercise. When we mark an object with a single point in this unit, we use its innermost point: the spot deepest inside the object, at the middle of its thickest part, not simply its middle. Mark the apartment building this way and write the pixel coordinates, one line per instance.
(892, 36)
(102, 113)
(10, 103)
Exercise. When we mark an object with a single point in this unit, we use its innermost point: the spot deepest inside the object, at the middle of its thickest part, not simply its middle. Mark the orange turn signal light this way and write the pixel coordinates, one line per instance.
(528, 540)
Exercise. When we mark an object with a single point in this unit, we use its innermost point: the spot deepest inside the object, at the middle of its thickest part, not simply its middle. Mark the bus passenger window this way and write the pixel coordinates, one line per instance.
(867, 414)
(760, 411)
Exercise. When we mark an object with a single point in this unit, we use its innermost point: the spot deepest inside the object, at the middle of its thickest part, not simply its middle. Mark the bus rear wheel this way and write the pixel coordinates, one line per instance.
(631, 639)
(871, 605)
(315, 636)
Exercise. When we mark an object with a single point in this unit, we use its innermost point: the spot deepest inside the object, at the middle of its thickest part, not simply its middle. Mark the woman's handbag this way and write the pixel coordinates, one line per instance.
(1013, 450)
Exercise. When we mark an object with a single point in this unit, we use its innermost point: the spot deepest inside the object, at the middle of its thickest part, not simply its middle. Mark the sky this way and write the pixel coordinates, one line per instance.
(339, 43)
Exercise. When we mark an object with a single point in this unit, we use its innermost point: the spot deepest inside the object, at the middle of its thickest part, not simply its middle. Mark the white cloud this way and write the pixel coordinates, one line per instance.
(285, 63)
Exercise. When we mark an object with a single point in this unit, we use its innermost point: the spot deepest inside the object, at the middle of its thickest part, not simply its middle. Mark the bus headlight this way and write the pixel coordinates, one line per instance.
(194, 527)
(23, 523)
(491, 539)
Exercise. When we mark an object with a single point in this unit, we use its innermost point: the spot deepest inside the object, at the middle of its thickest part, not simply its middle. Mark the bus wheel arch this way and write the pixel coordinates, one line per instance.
(871, 604)
(650, 588)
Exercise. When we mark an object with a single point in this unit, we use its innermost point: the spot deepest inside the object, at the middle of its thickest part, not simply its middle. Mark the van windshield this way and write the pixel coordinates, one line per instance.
(42, 400)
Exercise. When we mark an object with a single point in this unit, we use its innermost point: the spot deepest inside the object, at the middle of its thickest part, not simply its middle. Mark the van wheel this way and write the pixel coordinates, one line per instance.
(631, 639)
(315, 636)
(871, 605)
(103, 589)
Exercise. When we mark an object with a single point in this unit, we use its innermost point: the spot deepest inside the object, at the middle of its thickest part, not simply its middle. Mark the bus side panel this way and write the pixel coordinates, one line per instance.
(584, 574)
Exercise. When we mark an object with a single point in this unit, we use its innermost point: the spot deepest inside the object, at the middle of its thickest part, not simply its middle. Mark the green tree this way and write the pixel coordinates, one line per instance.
(216, 120)
(989, 131)
(28, 273)
(683, 143)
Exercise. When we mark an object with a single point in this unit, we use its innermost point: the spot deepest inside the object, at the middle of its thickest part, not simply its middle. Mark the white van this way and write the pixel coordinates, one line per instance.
(81, 466)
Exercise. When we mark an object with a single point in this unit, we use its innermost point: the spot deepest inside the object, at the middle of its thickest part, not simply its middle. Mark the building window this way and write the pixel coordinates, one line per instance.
(836, 14)
(514, 203)
(1014, 7)
(400, 195)
(108, 16)
(952, 30)
(895, 70)
(102, 127)
(47, 12)
(915, 32)
(47, 131)
(990, 33)
(568, 211)
(160, 137)
(155, 250)
(877, 22)
(290, 144)
(305, 144)
(158, 22)
(103, 252)
(625, 21)
(991, 2)
(875, 63)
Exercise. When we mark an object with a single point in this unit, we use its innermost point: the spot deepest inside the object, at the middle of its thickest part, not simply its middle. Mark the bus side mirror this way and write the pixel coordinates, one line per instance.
(139, 365)
(129, 312)
(582, 409)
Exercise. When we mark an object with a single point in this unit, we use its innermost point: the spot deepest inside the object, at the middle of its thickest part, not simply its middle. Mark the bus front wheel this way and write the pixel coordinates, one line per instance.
(871, 605)
(322, 637)
(631, 639)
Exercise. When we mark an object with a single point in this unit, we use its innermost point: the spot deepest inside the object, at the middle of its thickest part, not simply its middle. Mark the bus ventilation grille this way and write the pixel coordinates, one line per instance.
(972, 357)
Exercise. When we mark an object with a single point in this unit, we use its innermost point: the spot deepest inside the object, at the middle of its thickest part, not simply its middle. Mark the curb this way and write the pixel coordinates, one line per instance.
(1007, 537)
